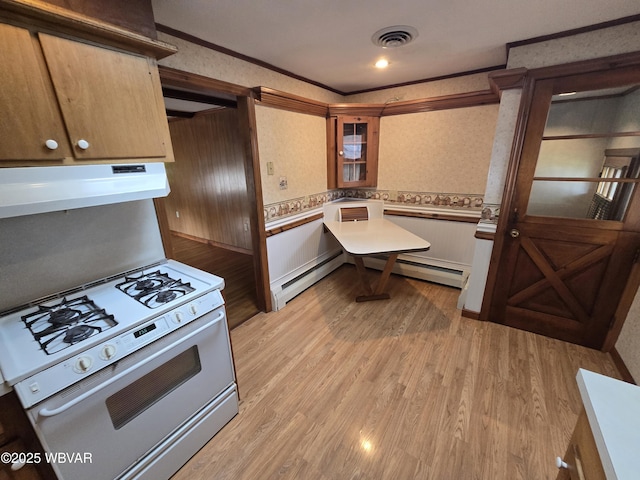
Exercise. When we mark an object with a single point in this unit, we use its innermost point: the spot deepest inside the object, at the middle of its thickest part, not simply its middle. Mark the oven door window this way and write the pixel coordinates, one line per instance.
(132, 400)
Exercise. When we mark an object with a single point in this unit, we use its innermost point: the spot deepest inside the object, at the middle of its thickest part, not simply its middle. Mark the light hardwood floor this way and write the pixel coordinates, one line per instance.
(236, 268)
(399, 389)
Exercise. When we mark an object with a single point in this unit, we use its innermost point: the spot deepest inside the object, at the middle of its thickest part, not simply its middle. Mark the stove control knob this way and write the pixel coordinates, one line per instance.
(83, 364)
(108, 352)
(179, 317)
(193, 309)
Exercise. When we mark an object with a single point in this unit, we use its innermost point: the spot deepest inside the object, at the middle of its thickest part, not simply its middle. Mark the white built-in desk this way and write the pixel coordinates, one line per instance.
(375, 236)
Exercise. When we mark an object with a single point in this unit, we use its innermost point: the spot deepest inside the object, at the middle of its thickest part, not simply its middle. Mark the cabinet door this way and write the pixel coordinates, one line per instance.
(107, 98)
(357, 143)
(29, 113)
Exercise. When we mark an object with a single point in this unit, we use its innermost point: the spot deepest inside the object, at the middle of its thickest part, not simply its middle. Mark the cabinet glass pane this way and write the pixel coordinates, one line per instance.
(354, 172)
(354, 141)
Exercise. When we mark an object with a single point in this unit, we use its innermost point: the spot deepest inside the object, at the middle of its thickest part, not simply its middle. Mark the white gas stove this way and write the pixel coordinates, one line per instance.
(69, 331)
(95, 347)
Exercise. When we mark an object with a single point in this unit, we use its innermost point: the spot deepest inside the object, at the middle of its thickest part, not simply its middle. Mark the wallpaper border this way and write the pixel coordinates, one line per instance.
(453, 201)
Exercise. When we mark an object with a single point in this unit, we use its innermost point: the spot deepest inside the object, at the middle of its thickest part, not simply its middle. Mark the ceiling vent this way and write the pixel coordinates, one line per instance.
(393, 37)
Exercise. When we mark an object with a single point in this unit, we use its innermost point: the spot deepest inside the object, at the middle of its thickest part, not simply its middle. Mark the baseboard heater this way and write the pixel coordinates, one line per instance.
(423, 271)
(283, 293)
(296, 285)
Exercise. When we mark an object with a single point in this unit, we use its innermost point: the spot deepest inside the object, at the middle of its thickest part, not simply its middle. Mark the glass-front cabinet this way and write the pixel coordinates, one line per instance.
(353, 155)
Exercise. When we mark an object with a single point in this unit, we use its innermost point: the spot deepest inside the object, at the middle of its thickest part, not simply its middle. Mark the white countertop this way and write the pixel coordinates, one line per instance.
(373, 236)
(613, 410)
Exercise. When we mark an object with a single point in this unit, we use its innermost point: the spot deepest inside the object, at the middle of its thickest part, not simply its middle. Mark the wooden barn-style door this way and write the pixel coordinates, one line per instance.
(570, 224)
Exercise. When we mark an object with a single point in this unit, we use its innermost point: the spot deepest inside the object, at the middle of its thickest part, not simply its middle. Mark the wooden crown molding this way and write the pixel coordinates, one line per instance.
(356, 109)
(507, 79)
(286, 101)
(446, 102)
(199, 83)
(515, 77)
(42, 15)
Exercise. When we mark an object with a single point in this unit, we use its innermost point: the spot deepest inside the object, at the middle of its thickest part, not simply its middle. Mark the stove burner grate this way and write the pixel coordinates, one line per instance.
(154, 289)
(67, 323)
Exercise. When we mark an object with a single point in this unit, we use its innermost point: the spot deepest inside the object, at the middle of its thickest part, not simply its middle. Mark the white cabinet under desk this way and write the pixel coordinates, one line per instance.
(606, 441)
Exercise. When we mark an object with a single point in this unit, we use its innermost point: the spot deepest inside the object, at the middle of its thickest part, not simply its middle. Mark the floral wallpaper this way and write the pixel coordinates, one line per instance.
(442, 151)
(293, 153)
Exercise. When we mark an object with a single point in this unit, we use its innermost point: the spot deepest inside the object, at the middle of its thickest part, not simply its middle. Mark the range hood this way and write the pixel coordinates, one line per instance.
(29, 190)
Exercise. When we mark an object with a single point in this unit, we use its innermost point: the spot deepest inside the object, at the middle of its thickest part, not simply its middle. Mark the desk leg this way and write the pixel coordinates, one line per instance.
(378, 293)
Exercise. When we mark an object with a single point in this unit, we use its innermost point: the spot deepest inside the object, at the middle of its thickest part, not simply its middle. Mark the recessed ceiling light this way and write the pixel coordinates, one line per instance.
(382, 63)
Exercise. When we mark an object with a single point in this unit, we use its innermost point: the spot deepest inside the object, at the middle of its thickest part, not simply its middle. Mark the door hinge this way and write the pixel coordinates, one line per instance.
(612, 322)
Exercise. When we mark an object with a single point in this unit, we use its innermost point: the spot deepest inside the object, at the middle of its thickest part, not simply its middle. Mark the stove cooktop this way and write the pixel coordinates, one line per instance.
(58, 327)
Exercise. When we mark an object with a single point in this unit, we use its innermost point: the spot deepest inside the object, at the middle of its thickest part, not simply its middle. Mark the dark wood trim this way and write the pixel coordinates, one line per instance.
(163, 225)
(212, 46)
(624, 305)
(470, 314)
(44, 15)
(621, 366)
(172, 77)
(575, 31)
(213, 243)
(515, 78)
(168, 92)
(179, 113)
(247, 125)
(287, 101)
(356, 109)
(433, 216)
(507, 79)
(292, 225)
(593, 135)
(332, 152)
(602, 64)
(508, 195)
(428, 80)
(446, 102)
(485, 236)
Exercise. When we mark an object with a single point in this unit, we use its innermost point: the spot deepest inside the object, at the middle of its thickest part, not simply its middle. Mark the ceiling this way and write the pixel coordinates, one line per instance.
(328, 42)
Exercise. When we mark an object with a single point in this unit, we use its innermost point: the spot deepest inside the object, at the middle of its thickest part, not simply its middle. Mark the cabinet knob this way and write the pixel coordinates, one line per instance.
(15, 466)
(83, 144)
(514, 233)
(51, 144)
(561, 463)
(341, 153)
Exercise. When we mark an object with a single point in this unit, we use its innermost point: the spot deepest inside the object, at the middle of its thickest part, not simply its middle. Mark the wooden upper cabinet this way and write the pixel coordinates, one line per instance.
(107, 99)
(98, 104)
(30, 115)
(352, 148)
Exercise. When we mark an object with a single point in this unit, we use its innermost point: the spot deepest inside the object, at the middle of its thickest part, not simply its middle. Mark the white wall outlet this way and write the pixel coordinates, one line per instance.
(283, 183)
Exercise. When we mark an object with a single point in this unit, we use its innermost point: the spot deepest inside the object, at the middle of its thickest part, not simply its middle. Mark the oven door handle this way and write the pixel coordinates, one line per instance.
(45, 412)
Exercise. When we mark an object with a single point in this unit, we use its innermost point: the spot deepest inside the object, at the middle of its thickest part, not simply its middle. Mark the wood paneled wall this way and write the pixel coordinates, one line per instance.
(208, 198)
